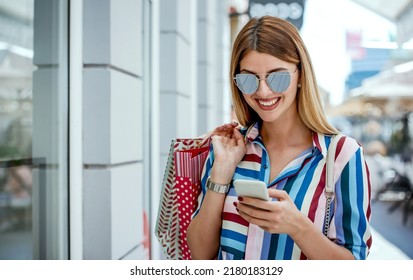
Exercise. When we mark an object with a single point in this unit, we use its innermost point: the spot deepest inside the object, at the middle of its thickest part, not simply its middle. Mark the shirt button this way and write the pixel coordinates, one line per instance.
(265, 166)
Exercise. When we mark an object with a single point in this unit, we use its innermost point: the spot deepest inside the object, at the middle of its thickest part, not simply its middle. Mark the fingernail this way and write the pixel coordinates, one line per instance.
(240, 198)
(235, 203)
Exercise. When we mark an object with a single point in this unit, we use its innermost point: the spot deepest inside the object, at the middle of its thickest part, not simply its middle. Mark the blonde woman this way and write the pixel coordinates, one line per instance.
(283, 142)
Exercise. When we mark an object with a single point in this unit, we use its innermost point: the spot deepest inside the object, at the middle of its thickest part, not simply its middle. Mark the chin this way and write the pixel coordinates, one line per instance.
(273, 117)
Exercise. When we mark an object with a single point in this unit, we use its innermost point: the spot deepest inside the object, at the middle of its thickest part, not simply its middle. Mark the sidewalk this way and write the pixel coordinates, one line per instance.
(384, 250)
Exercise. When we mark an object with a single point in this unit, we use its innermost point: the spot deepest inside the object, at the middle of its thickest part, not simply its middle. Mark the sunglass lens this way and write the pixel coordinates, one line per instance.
(247, 83)
(278, 81)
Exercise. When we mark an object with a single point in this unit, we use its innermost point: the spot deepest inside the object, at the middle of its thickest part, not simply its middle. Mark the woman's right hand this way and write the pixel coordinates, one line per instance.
(222, 130)
(229, 149)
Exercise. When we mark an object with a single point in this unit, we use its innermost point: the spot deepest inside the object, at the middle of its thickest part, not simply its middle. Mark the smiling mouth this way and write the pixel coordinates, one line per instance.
(268, 103)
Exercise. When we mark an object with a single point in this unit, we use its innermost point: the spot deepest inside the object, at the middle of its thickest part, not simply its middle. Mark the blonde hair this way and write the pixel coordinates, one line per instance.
(279, 38)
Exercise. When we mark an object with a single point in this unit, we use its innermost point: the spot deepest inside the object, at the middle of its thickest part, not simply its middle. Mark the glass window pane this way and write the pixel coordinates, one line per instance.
(33, 129)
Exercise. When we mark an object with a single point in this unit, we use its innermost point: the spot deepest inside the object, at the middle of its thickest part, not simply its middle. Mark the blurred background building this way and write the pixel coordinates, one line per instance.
(92, 92)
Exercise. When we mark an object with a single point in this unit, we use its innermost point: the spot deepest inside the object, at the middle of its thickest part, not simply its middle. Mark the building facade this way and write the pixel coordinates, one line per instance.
(110, 83)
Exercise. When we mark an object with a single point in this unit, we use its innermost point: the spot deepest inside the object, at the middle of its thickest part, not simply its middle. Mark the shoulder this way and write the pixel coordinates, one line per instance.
(348, 152)
(345, 148)
(345, 144)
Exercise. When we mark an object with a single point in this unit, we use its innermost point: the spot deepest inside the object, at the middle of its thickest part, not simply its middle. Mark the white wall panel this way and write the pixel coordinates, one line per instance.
(202, 40)
(184, 73)
(96, 116)
(168, 121)
(126, 211)
(203, 85)
(97, 201)
(96, 32)
(113, 34)
(183, 117)
(113, 116)
(168, 61)
(126, 35)
(126, 118)
(183, 18)
(168, 8)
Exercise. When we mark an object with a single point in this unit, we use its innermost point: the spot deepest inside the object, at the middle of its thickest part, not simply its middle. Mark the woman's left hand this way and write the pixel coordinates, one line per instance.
(280, 216)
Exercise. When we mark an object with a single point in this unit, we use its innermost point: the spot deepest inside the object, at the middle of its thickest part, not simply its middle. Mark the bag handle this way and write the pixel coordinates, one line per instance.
(206, 138)
(330, 179)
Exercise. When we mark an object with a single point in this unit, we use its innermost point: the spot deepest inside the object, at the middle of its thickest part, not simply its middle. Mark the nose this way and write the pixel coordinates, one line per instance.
(263, 89)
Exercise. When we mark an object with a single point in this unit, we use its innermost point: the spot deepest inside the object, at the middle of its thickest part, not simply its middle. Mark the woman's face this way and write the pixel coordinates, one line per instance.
(270, 105)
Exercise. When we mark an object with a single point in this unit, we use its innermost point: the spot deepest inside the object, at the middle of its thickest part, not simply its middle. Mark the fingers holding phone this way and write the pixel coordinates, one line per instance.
(256, 205)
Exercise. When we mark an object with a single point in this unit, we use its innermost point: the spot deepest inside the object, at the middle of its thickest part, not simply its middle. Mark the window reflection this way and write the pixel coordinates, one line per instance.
(16, 212)
(33, 128)
(16, 68)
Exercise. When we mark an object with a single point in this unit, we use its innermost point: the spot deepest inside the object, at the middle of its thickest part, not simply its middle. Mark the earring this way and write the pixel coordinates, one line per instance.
(299, 85)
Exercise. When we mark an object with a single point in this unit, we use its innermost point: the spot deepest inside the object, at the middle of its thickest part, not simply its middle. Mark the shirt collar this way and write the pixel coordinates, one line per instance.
(319, 139)
(320, 142)
(253, 131)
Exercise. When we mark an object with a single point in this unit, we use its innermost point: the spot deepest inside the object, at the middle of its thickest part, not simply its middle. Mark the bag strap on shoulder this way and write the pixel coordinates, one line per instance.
(331, 152)
(330, 179)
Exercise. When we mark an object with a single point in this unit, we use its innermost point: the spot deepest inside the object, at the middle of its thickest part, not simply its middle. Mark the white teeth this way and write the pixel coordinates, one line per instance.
(268, 103)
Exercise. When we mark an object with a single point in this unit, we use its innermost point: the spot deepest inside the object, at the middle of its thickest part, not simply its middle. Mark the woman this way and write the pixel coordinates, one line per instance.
(283, 142)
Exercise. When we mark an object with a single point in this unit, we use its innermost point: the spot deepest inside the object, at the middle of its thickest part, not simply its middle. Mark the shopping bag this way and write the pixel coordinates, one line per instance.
(180, 189)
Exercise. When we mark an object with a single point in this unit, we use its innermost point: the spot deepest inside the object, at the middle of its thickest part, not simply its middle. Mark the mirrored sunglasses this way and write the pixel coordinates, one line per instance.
(276, 81)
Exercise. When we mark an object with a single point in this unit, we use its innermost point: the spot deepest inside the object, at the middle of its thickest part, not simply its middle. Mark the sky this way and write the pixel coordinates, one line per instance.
(324, 31)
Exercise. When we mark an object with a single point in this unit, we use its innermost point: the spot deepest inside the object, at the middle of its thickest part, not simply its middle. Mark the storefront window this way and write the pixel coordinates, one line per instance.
(33, 129)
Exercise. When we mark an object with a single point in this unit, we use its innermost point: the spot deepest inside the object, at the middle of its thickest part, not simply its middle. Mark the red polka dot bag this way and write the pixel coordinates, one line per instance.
(180, 189)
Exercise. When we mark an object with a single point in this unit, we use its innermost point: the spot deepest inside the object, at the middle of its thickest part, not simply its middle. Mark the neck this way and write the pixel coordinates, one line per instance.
(286, 133)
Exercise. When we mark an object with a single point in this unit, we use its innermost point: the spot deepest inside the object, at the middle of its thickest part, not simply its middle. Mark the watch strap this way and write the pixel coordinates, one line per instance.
(218, 188)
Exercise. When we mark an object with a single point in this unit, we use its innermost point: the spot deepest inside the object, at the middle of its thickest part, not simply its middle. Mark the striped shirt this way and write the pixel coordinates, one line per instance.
(304, 180)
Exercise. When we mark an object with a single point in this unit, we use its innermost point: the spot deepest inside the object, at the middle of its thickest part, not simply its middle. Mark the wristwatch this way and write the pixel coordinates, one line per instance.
(218, 188)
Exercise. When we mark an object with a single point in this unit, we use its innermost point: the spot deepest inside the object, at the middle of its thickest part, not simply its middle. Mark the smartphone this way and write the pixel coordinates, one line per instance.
(257, 189)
